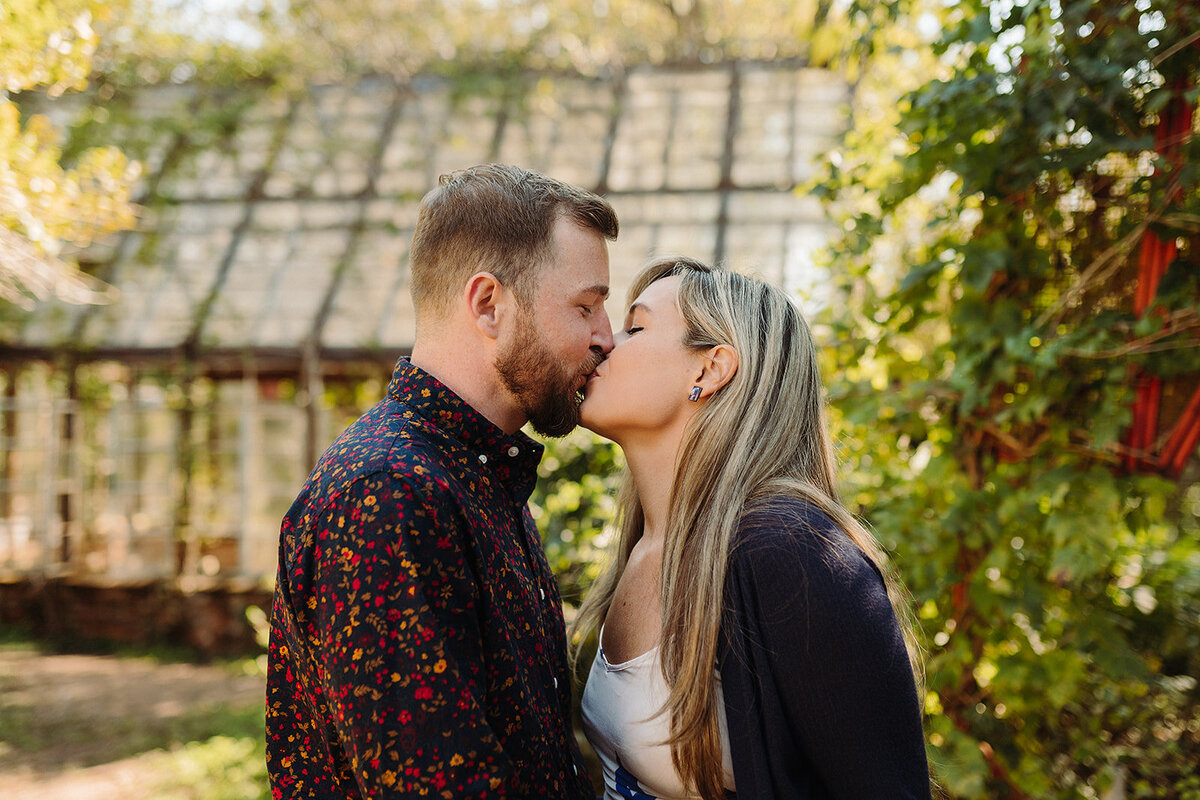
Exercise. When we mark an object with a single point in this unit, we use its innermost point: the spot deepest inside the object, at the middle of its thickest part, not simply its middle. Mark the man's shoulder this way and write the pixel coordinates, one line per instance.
(387, 444)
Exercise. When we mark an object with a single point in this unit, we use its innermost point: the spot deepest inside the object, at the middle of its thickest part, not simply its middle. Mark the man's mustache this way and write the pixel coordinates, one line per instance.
(597, 359)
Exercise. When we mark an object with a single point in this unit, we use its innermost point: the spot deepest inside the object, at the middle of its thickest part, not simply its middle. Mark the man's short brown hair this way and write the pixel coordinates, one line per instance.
(496, 218)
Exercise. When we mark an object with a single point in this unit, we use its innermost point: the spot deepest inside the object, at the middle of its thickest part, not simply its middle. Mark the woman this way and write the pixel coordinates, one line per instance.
(747, 641)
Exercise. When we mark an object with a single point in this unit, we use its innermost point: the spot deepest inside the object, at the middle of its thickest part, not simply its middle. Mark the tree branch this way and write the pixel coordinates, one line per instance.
(1175, 48)
(1180, 322)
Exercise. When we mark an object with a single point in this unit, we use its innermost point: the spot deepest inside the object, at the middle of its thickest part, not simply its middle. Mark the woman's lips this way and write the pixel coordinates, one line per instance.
(587, 382)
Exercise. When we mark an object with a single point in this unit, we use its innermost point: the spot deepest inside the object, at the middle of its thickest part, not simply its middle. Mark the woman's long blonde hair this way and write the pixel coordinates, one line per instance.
(763, 435)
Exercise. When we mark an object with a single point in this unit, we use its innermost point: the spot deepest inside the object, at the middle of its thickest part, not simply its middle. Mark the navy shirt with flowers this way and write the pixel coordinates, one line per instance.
(417, 645)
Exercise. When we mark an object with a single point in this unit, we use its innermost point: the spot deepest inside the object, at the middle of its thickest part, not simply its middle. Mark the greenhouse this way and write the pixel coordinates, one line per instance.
(261, 301)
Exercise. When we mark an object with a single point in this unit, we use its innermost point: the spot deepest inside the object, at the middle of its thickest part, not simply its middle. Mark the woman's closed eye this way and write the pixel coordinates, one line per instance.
(632, 330)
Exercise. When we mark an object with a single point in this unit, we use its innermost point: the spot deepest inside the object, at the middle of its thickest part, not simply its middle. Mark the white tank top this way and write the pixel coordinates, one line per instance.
(619, 702)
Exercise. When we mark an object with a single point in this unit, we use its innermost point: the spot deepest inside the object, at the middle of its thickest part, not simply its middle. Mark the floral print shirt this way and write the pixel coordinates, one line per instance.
(417, 644)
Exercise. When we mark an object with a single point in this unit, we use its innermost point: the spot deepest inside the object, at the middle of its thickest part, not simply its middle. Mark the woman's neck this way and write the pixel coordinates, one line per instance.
(652, 463)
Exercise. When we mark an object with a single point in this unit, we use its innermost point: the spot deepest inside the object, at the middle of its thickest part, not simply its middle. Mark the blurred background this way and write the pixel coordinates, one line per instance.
(989, 211)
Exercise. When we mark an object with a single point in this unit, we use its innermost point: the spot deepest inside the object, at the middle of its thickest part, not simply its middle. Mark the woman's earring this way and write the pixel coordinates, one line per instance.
(694, 394)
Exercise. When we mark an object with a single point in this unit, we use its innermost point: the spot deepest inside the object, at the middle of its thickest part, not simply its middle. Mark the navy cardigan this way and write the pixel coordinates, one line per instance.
(819, 693)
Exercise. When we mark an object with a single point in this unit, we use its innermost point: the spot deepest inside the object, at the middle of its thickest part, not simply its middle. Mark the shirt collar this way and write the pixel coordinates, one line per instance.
(513, 456)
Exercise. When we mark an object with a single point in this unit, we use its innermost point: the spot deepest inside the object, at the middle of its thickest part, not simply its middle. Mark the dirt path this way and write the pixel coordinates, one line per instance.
(83, 727)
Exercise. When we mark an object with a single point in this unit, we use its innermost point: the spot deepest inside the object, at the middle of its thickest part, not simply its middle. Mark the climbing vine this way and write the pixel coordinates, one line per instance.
(994, 194)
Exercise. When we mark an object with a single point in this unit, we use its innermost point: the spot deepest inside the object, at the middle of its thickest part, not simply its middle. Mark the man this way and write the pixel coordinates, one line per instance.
(417, 644)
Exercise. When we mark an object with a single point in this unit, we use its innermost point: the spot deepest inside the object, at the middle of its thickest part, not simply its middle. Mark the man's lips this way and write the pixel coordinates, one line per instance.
(587, 380)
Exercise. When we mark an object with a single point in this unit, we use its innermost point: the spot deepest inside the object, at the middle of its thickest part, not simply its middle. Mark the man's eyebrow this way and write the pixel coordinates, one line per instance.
(599, 289)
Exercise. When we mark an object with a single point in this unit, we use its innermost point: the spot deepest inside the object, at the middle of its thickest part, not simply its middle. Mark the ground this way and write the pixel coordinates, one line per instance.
(97, 727)
(133, 727)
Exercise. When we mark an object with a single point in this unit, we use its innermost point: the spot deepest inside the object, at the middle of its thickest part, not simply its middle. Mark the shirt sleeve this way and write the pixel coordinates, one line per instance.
(819, 693)
(395, 609)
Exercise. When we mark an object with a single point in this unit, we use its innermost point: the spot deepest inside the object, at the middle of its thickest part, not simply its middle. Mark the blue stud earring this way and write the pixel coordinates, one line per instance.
(694, 394)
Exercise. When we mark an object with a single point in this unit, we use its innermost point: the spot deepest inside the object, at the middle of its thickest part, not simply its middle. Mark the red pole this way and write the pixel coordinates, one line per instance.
(1183, 439)
(1155, 257)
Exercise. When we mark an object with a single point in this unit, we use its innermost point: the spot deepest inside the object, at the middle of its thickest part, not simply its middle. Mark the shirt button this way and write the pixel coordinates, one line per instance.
(543, 591)
(514, 451)
(555, 682)
(575, 768)
(483, 459)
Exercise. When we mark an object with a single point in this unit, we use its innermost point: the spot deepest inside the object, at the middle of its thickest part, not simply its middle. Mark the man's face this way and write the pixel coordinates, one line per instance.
(558, 342)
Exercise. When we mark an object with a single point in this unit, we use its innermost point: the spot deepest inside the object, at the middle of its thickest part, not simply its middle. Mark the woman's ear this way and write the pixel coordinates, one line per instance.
(486, 301)
(717, 368)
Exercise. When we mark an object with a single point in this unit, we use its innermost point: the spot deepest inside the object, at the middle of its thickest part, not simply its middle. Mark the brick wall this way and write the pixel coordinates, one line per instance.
(208, 618)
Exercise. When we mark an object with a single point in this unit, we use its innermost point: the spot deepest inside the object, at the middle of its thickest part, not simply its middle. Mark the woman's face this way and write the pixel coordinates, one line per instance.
(641, 390)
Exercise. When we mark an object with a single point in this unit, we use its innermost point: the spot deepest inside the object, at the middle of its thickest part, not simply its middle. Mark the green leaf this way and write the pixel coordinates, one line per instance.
(920, 274)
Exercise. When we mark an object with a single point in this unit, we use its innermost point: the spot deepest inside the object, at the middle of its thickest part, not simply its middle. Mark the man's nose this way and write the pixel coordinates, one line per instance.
(602, 336)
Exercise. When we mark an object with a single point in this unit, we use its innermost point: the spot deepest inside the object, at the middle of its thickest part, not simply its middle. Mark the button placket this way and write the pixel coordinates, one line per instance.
(529, 540)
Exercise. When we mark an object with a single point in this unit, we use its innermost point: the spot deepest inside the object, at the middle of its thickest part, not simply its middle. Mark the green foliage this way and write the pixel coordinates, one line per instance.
(46, 203)
(219, 768)
(47, 44)
(333, 38)
(574, 504)
(993, 200)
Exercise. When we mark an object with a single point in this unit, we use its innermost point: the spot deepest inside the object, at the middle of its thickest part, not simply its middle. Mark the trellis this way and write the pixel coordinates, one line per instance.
(144, 486)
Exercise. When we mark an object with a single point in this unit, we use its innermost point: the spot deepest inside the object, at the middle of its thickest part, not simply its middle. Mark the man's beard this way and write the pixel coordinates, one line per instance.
(544, 388)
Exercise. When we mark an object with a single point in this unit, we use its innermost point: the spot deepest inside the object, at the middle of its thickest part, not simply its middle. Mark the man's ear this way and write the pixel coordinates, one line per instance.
(717, 368)
(486, 301)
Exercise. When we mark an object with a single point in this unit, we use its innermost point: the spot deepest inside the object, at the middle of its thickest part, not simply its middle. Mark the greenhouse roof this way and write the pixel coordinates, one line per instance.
(286, 230)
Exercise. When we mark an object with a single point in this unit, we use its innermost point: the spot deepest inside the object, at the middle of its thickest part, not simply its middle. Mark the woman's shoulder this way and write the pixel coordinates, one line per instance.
(789, 523)
(782, 533)
(779, 513)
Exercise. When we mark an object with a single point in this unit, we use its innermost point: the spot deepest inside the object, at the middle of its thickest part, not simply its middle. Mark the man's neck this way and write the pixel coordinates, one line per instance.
(468, 375)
